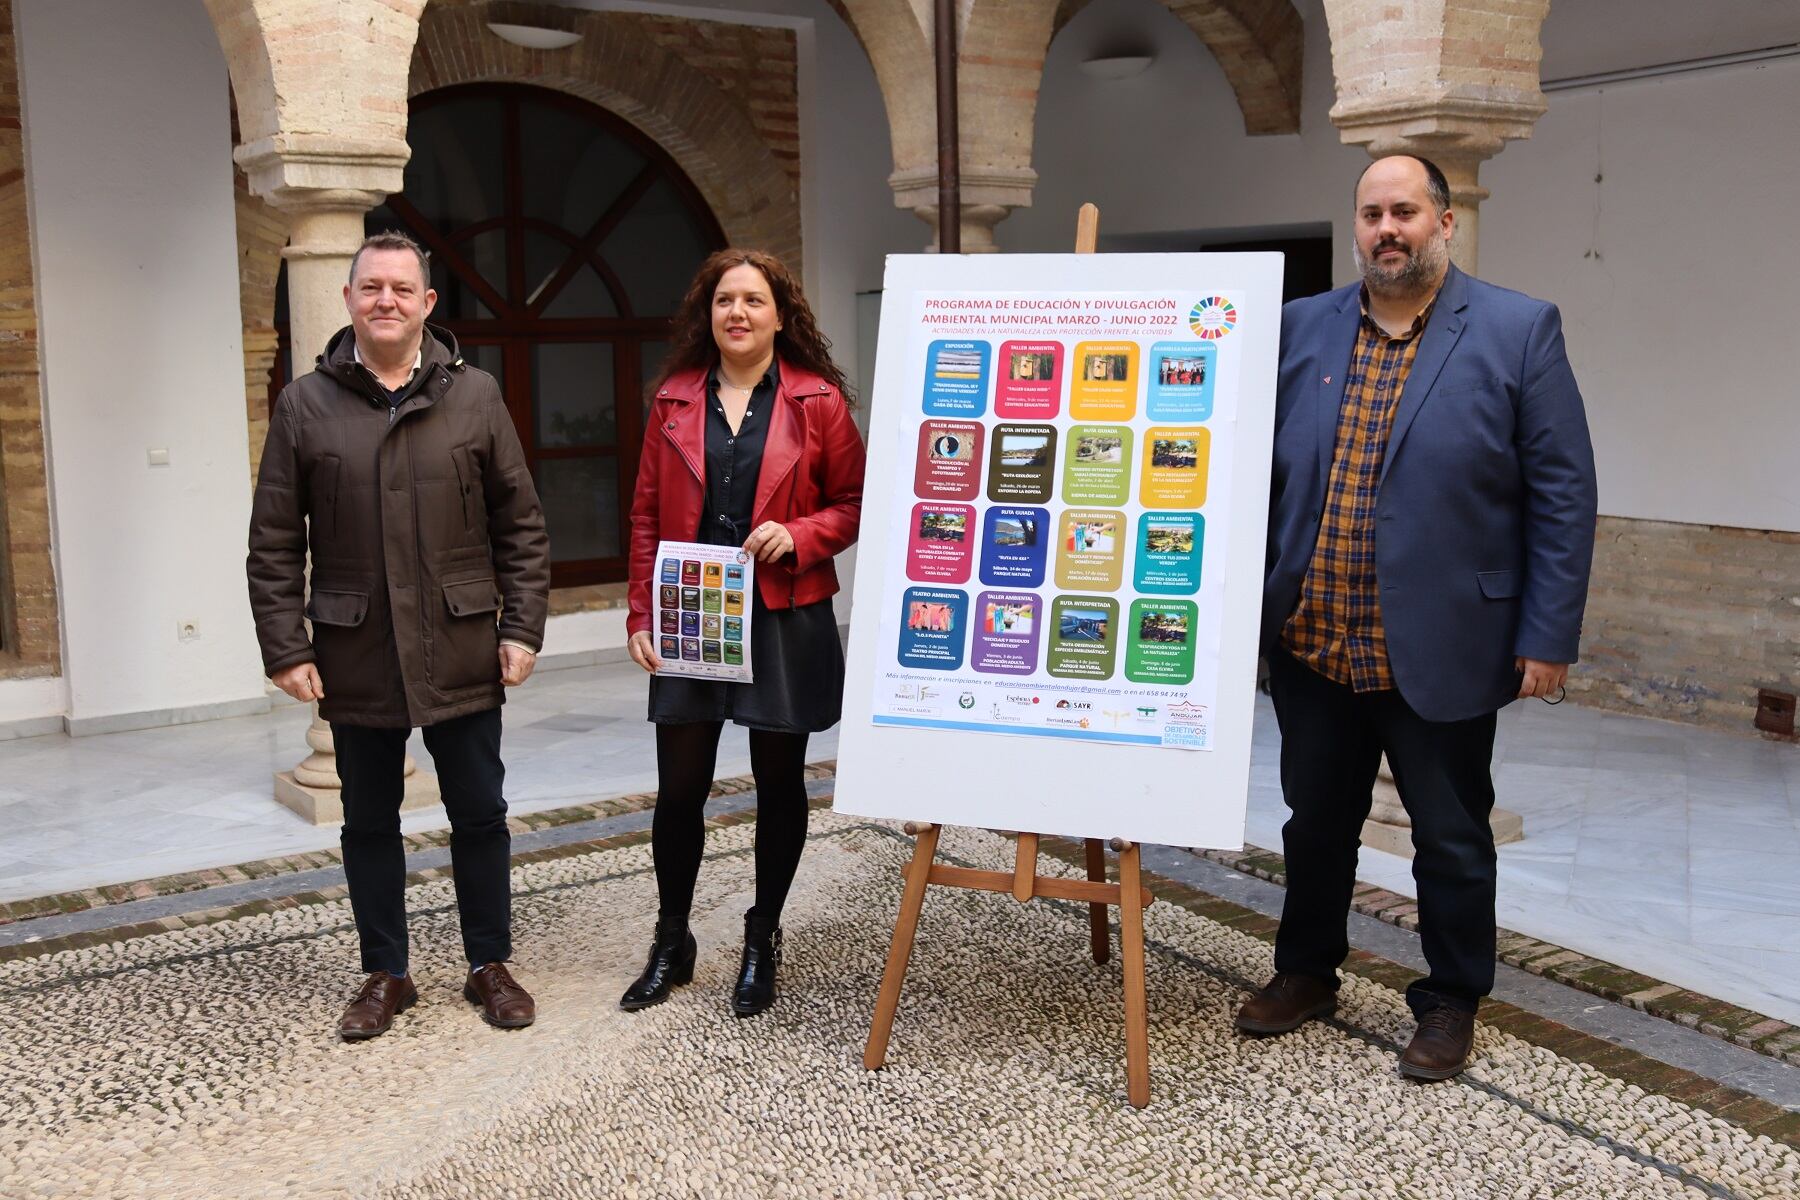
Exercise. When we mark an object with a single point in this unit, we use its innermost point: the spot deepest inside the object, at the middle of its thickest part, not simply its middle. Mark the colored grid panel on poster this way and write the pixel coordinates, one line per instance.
(1062, 459)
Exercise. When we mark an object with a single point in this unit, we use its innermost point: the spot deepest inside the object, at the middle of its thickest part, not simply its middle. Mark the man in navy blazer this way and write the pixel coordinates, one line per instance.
(1431, 528)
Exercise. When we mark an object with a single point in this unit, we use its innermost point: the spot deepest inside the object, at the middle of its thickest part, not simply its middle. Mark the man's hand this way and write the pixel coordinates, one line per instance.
(516, 664)
(643, 652)
(301, 681)
(1541, 679)
(769, 541)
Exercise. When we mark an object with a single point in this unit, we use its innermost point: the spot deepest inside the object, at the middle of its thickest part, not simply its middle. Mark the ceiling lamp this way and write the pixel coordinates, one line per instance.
(1117, 66)
(534, 37)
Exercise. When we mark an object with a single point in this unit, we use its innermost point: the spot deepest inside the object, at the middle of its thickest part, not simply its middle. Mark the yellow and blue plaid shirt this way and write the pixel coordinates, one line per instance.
(1336, 628)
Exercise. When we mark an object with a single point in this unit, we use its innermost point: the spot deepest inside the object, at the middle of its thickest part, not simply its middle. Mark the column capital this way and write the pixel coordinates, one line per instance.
(1457, 131)
(1465, 129)
(301, 173)
(917, 187)
(988, 194)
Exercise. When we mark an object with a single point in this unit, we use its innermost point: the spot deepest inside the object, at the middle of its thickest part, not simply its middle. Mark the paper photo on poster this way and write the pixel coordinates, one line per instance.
(703, 610)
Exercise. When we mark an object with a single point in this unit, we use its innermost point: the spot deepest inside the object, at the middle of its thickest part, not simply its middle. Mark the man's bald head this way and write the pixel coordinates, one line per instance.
(1397, 166)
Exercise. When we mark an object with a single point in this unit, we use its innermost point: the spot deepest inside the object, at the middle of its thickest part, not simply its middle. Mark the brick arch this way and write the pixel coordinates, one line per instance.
(703, 128)
(318, 74)
(1258, 44)
(615, 66)
(899, 49)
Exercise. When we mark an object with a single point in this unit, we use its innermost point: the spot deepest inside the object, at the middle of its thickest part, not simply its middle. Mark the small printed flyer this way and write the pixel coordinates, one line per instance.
(702, 611)
(1056, 565)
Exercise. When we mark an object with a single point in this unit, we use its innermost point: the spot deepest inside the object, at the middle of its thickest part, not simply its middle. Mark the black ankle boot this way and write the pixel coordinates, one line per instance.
(755, 989)
(671, 964)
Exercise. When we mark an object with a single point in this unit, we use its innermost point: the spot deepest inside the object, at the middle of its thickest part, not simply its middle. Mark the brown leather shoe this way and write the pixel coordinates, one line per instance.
(1440, 1046)
(372, 1012)
(1286, 1003)
(504, 1004)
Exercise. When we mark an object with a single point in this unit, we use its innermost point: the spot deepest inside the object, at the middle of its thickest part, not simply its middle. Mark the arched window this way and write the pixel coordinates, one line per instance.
(561, 241)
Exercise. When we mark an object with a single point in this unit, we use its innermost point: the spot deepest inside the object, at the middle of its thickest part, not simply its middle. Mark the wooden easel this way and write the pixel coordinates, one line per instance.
(1025, 883)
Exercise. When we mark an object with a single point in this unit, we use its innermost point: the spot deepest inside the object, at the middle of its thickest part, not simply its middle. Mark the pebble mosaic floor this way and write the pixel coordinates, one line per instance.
(201, 1062)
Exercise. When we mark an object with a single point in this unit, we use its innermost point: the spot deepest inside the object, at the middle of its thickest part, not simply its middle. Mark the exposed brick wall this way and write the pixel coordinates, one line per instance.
(1688, 621)
(758, 65)
(1475, 50)
(27, 578)
(707, 92)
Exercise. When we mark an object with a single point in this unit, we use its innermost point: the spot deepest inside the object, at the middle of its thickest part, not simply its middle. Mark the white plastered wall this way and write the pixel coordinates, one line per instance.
(1678, 276)
(128, 149)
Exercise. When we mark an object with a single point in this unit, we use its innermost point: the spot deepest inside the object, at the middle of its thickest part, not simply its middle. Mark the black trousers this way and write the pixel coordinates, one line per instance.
(466, 753)
(1332, 740)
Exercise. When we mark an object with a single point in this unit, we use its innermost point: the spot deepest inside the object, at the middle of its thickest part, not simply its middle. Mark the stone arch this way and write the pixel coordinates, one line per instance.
(701, 126)
(319, 87)
(895, 36)
(1259, 45)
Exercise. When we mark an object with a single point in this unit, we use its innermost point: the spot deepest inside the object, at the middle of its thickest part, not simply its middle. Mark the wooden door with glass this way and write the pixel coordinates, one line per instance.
(561, 241)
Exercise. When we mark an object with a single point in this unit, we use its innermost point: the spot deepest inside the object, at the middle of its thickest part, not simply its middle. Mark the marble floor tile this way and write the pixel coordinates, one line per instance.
(1626, 884)
(1760, 897)
(1743, 809)
(1530, 881)
(1714, 832)
(1747, 930)
(1666, 922)
(1567, 757)
(1613, 783)
(1649, 858)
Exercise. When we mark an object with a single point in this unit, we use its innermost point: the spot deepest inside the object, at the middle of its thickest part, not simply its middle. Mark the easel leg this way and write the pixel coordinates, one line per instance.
(900, 951)
(1131, 953)
(1098, 934)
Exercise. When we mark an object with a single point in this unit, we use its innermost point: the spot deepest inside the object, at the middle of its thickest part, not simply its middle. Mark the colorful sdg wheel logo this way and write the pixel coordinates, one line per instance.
(1213, 317)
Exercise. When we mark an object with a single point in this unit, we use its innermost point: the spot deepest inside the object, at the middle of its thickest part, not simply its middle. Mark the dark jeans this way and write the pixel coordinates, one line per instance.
(466, 753)
(1332, 739)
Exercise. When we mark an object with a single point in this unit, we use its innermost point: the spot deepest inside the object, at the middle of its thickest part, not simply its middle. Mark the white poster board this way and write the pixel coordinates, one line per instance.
(1059, 588)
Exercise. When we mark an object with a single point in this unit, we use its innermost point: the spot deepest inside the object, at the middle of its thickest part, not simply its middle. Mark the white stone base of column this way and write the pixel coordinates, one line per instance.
(1397, 839)
(1389, 829)
(325, 806)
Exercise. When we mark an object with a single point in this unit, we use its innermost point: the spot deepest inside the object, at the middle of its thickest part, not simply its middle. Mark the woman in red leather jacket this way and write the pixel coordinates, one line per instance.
(749, 443)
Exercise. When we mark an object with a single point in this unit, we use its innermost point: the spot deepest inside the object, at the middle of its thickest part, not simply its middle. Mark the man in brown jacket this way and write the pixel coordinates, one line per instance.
(395, 463)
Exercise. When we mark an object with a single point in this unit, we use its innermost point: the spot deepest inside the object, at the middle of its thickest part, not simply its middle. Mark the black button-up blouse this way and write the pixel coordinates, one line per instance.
(733, 462)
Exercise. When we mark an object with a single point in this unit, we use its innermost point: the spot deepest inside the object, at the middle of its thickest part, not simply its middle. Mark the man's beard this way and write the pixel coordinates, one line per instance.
(1421, 270)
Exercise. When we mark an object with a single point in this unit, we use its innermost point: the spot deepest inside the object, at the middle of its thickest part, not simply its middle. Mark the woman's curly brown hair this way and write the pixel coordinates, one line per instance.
(798, 341)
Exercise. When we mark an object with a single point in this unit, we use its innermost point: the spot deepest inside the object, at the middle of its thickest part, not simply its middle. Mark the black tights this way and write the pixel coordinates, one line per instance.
(685, 756)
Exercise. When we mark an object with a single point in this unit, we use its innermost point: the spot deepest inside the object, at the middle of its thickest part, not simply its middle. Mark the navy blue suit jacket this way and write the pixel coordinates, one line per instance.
(1484, 531)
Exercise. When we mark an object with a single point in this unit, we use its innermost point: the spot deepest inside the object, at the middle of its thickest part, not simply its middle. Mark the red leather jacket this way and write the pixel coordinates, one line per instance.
(811, 481)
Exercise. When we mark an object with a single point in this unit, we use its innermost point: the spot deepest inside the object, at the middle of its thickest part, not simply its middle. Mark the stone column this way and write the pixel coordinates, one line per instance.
(1458, 141)
(1458, 135)
(324, 186)
(1389, 828)
(1452, 81)
(988, 196)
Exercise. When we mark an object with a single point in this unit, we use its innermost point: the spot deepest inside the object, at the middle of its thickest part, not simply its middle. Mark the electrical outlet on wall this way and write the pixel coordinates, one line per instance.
(187, 630)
